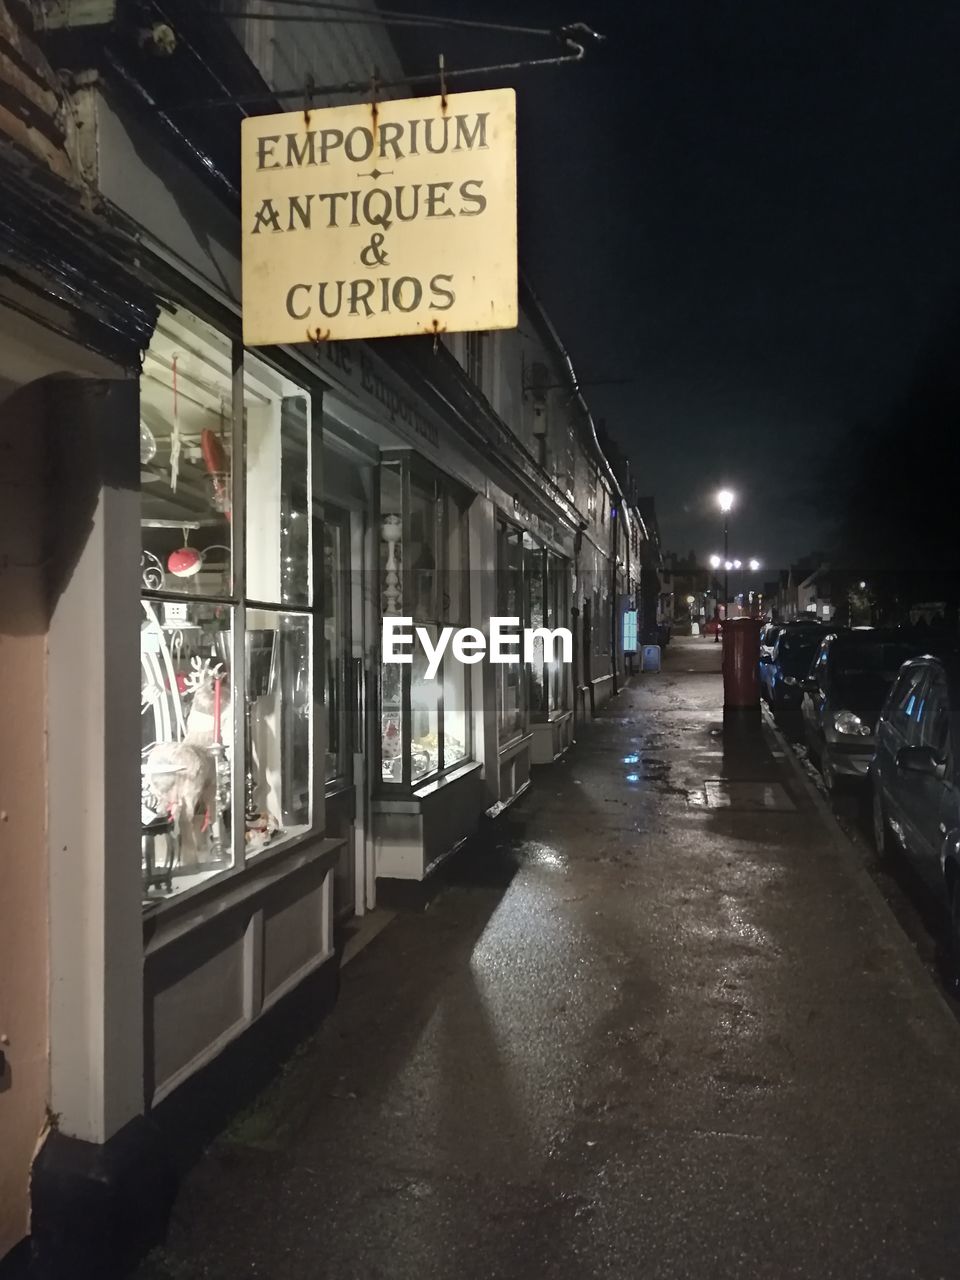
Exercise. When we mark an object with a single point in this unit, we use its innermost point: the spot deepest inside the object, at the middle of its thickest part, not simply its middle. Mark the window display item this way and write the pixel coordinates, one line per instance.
(391, 530)
(185, 793)
(183, 778)
(185, 562)
(261, 677)
(148, 451)
(218, 469)
(157, 875)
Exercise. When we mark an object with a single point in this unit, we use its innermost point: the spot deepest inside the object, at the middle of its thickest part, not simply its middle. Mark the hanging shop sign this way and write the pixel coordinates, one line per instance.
(377, 220)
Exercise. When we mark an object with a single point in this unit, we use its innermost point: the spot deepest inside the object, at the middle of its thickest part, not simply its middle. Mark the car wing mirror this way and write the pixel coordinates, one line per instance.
(919, 760)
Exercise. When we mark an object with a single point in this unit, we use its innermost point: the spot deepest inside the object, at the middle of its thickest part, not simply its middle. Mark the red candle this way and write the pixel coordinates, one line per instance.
(217, 685)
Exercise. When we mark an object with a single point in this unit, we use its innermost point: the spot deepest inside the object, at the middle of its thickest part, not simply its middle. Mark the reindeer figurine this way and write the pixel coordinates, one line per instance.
(183, 775)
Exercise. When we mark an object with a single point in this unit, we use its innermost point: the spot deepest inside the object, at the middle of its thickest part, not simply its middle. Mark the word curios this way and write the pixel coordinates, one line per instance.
(375, 209)
(469, 645)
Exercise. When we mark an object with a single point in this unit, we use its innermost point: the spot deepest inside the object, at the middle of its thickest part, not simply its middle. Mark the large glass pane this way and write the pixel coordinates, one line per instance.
(186, 744)
(556, 617)
(535, 613)
(277, 425)
(455, 603)
(424, 719)
(510, 600)
(422, 562)
(456, 723)
(391, 722)
(336, 623)
(278, 727)
(186, 458)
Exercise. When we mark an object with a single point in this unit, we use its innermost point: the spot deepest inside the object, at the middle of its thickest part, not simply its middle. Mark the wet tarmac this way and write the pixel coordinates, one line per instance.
(658, 1023)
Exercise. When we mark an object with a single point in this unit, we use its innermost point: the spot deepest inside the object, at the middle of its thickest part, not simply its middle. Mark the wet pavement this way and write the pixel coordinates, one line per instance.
(659, 1023)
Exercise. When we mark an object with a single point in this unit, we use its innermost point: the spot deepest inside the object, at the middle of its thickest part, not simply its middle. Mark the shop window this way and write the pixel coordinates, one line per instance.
(425, 723)
(544, 589)
(534, 581)
(424, 715)
(557, 617)
(510, 676)
(222, 782)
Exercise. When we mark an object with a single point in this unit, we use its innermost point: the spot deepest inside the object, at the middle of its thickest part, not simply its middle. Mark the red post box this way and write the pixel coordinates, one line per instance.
(741, 670)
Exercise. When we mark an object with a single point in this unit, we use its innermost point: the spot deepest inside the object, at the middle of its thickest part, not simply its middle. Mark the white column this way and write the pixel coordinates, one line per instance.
(96, 943)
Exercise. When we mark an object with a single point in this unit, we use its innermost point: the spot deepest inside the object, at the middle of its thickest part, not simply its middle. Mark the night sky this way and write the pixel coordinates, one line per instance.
(752, 212)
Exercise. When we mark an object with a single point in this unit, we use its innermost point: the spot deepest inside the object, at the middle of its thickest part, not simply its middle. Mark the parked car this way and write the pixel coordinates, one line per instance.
(843, 694)
(782, 673)
(915, 775)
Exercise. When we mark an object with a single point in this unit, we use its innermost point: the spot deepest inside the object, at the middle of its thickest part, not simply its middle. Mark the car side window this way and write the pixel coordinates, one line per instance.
(935, 720)
(906, 706)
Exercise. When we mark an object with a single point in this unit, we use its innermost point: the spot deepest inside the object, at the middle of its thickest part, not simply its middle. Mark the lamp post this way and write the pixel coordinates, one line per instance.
(715, 563)
(725, 502)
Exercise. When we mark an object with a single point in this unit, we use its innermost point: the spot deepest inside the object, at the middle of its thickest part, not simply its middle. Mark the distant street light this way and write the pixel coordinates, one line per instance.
(715, 562)
(754, 565)
(728, 565)
(738, 564)
(725, 500)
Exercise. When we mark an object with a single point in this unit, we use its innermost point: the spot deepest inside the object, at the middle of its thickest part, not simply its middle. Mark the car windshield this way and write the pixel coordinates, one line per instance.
(868, 669)
(797, 650)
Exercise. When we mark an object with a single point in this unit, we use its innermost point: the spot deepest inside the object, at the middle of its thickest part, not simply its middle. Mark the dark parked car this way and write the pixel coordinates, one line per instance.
(782, 674)
(844, 692)
(915, 775)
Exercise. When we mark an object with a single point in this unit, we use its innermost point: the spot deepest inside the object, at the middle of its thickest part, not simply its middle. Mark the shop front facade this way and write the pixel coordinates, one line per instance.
(221, 764)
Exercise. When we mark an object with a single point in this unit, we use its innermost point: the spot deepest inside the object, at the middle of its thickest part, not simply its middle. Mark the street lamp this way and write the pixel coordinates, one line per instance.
(725, 502)
(753, 565)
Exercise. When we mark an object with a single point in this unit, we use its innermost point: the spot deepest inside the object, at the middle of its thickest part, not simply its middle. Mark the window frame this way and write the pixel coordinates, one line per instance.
(505, 530)
(239, 603)
(412, 468)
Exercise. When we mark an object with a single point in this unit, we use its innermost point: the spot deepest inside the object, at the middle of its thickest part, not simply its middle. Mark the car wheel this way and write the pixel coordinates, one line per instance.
(882, 835)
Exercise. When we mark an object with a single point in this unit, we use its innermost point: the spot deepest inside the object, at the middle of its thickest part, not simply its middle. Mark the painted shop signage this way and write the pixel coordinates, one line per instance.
(375, 220)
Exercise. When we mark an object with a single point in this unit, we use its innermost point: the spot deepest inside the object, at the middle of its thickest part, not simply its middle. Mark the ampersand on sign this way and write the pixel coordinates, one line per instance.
(374, 255)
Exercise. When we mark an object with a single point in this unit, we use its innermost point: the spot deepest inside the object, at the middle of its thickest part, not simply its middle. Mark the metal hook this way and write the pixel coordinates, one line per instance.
(443, 83)
(309, 89)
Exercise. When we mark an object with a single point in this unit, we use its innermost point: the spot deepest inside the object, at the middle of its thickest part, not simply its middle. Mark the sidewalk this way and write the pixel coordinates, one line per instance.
(663, 1027)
